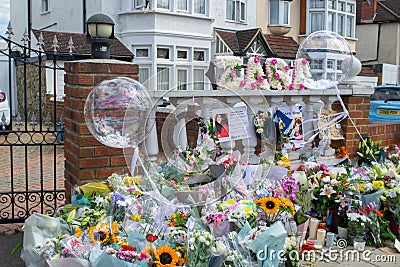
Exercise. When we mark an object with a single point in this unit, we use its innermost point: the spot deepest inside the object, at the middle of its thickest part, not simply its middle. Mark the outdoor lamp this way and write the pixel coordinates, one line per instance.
(100, 33)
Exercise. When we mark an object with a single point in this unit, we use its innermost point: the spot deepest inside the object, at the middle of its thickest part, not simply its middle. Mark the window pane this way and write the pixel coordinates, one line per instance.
(286, 13)
(45, 5)
(331, 22)
(339, 64)
(340, 25)
(230, 10)
(342, 6)
(317, 21)
(198, 76)
(182, 54)
(274, 12)
(163, 53)
(242, 11)
(143, 75)
(350, 8)
(330, 63)
(317, 3)
(182, 79)
(163, 4)
(350, 25)
(182, 5)
(200, 6)
(331, 4)
(162, 78)
(142, 52)
(198, 55)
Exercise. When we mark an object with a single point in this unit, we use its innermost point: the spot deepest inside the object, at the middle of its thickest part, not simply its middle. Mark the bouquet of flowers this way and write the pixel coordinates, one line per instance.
(358, 223)
(275, 208)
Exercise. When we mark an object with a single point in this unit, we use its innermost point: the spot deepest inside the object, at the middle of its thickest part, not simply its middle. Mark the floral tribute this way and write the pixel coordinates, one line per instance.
(274, 74)
(113, 223)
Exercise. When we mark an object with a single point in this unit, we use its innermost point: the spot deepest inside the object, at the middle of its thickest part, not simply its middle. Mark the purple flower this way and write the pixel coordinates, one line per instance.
(260, 79)
(115, 197)
(254, 85)
(274, 62)
(243, 83)
(277, 76)
(256, 59)
(233, 73)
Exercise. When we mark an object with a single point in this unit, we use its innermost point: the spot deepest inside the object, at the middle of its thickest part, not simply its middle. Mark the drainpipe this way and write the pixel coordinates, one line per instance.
(84, 15)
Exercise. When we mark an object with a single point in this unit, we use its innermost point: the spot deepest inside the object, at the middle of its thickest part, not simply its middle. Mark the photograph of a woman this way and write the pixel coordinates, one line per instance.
(221, 125)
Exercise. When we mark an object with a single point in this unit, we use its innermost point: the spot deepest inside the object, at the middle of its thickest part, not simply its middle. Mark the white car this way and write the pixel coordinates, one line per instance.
(4, 109)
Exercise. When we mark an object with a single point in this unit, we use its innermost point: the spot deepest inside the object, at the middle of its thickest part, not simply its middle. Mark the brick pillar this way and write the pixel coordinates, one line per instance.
(358, 107)
(86, 159)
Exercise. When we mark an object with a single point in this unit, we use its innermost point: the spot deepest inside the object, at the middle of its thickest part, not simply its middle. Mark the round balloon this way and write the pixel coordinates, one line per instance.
(105, 112)
(323, 56)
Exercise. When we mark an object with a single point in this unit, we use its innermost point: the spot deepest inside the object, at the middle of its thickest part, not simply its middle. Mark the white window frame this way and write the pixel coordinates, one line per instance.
(170, 55)
(334, 7)
(135, 48)
(140, 3)
(148, 71)
(159, 66)
(281, 12)
(205, 7)
(204, 78)
(182, 10)
(178, 69)
(205, 57)
(163, 8)
(237, 6)
(45, 6)
(220, 47)
(187, 50)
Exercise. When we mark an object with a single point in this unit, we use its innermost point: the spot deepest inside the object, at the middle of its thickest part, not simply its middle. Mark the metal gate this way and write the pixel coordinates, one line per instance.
(31, 137)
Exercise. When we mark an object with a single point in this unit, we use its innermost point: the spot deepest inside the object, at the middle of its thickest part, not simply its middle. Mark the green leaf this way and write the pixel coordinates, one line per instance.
(16, 248)
(71, 216)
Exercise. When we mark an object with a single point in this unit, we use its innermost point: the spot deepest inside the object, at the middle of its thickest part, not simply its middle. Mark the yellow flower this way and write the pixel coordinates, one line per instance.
(128, 181)
(173, 216)
(99, 234)
(166, 257)
(268, 204)
(137, 180)
(114, 227)
(135, 217)
(378, 185)
(361, 187)
(78, 232)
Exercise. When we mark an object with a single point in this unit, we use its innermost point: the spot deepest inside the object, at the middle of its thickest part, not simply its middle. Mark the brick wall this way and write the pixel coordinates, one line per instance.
(389, 133)
(85, 158)
(50, 106)
(303, 16)
(368, 10)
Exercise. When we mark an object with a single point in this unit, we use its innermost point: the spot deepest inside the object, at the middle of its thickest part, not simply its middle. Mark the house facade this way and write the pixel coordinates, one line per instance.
(378, 33)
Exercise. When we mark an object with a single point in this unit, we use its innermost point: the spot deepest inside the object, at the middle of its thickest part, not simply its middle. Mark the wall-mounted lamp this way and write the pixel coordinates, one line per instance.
(100, 33)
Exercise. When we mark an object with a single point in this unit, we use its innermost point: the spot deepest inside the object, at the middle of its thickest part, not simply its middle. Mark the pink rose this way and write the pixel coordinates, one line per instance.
(304, 61)
(254, 85)
(260, 79)
(233, 73)
(287, 67)
(243, 83)
(274, 62)
(256, 59)
(291, 86)
(277, 76)
(302, 86)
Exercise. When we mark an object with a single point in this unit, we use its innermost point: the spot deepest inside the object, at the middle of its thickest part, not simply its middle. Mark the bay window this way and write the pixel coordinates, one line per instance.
(236, 10)
(278, 12)
(333, 15)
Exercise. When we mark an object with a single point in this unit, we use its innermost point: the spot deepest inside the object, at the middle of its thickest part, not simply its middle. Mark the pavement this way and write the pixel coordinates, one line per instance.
(10, 236)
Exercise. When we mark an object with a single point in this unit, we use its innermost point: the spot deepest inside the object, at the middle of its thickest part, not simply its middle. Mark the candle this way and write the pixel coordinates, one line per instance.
(321, 233)
(330, 237)
(313, 228)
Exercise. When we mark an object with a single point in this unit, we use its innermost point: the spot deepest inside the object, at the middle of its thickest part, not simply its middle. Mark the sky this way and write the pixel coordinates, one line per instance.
(4, 15)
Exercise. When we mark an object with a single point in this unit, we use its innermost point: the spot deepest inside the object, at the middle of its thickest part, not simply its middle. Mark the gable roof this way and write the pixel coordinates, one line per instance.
(276, 46)
(282, 46)
(386, 11)
(82, 48)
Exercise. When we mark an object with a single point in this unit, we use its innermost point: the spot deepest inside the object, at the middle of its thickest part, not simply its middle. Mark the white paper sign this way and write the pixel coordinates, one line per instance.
(252, 172)
(231, 123)
(276, 173)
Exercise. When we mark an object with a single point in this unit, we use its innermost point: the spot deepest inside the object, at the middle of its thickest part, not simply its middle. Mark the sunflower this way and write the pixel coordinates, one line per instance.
(269, 204)
(101, 234)
(166, 257)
